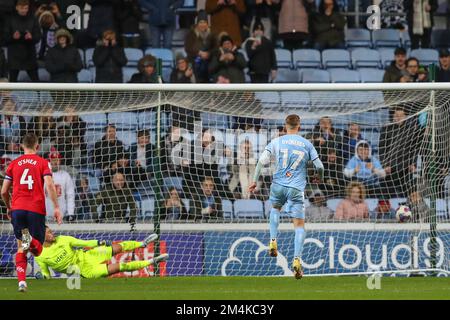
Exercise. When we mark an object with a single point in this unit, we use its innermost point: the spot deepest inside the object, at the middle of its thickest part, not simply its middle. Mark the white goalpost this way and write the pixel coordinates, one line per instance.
(176, 159)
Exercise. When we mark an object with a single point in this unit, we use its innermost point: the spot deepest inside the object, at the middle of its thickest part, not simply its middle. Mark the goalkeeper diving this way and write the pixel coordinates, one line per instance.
(61, 252)
(292, 154)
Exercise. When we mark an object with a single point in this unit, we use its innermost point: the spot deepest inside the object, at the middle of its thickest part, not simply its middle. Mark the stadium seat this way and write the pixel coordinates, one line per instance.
(372, 204)
(176, 182)
(94, 183)
(178, 37)
(284, 58)
(147, 207)
(89, 53)
(316, 76)
(386, 55)
(165, 54)
(248, 209)
(85, 76)
(44, 75)
(133, 55)
(344, 76)
(371, 75)
(396, 202)
(179, 52)
(166, 72)
(368, 58)
(285, 75)
(123, 120)
(95, 120)
(332, 204)
(269, 99)
(440, 38)
(128, 73)
(357, 38)
(442, 209)
(244, 53)
(213, 120)
(227, 208)
(386, 38)
(336, 58)
(306, 58)
(405, 39)
(92, 136)
(425, 56)
(295, 99)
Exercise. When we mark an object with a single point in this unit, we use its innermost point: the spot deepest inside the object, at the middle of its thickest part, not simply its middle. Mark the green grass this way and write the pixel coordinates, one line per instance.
(239, 288)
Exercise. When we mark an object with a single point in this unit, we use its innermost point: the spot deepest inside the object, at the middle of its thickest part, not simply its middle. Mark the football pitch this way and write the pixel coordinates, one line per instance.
(232, 288)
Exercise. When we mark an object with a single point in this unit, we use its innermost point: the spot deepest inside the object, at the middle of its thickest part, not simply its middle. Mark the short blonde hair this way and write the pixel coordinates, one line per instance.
(355, 184)
(292, 121)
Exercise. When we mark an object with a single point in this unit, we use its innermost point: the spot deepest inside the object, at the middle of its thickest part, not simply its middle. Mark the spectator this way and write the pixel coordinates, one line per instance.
(325, 135)
(383, 211)
(63, 61)
(414, 73)
(106, 150)
(147, 71)
(174, 208)
(53, 9)
(183, 73)
(116, 198)
(161, 20)
(65, 190)
(59, 10)
(12, 127)
(394, 18)
(129, 14)
(109, 58)
(318, 211)
(207, 203)
(135, 175)
(247, 166)
(443, 73)
(353, 207)
(261, 11)
(225, 16)
(227, 61)
(419, 209)
(44, 127)
(74, 122)
(85, 200)
(350, 138)
(419, 15)
(293, 22)
(142, 152)
(199, 43)
(328, 26)
(171, 160)
(364, 167)
(333, 178)
(261, 55)
(48, 27)
(397, 69)
(398, 151)
(21, 34)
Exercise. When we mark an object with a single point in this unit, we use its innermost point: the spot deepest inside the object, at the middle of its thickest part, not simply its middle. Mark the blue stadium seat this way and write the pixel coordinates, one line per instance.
(386, 55)
(178, 37)
(124, 120)
(295, 99)
(83, 58)
(425, 56)
(176, 182)
(358, 38)
(89, 53)
(95, 120)
(284, 58)
(147, 206)
(405, 39)
(212, 120)
(306, 58)
(85, 76)
(441, 208)
(165, 54)
(365, 58)
(395, 202)
(344, 76)
(371, 75)
(44, 75)
(386, 38)
(440, 38)
(166, 72)
(128, 137)
(248, 209)
(92, 136)
(227, 208)
(287, 76)
(316, 76)
(372, 204)
(269, 99)
(336, 58)
(133, 55)
(332, 204)
(128, 73)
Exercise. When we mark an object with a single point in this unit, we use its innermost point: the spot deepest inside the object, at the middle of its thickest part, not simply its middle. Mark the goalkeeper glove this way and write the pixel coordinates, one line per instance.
(107, 243)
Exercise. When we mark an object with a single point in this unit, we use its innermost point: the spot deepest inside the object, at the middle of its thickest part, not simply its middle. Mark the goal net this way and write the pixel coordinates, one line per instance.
(178, 159)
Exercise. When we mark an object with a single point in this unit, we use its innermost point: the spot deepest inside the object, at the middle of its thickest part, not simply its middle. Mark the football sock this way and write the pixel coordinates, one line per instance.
(299, 239)
(35, 247)
(130, 245)
(133, 265)
(274, 221)
(21, 266)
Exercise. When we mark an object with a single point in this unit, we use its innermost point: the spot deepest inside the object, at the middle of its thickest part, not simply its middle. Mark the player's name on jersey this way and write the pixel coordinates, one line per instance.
(25, 161)
(293, 142)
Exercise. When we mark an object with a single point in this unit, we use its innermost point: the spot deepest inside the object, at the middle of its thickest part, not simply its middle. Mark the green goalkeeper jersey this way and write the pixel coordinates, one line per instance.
(64, 252)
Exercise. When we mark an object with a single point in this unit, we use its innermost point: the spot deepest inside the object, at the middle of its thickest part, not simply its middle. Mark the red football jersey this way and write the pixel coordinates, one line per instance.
(27, 175)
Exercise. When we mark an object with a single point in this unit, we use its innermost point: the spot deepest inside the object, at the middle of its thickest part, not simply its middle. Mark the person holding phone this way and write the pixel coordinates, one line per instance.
(414, 72)
(183, 73)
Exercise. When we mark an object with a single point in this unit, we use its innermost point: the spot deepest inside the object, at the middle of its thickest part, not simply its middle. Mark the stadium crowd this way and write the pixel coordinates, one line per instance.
(228, 39)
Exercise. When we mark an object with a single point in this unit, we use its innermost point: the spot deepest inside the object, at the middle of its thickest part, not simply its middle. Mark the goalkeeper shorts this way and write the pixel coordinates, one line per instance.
(93, 262)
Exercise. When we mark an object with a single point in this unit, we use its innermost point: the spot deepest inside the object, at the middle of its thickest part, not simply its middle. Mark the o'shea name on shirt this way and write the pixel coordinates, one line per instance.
(25, 161)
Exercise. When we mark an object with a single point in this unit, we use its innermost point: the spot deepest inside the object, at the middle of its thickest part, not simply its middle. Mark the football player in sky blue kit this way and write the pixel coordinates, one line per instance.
(291, 153)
